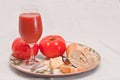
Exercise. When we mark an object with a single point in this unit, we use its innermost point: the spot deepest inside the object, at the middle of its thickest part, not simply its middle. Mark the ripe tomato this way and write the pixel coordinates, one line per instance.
(52, 46)
(21, 49)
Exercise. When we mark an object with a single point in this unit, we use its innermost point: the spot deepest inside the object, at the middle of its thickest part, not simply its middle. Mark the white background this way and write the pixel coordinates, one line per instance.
(93, 22)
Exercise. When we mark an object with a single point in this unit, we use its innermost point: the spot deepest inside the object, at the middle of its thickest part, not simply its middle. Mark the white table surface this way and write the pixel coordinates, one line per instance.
(95, 23)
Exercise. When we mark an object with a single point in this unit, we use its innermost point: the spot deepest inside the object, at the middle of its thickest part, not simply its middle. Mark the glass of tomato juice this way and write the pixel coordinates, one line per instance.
(30, 29)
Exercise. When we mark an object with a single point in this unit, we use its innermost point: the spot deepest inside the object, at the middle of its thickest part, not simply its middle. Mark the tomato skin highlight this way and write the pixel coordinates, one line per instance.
(21, 50)
(52, 46)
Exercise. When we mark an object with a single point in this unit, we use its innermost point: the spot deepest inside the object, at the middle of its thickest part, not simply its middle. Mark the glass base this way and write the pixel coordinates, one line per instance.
(30, 64)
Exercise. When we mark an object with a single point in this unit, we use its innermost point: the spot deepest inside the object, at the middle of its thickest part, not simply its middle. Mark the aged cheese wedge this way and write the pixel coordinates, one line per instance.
(56, 62)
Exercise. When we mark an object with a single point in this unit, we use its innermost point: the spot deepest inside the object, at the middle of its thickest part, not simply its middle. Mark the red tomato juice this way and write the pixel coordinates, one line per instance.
(30, 27)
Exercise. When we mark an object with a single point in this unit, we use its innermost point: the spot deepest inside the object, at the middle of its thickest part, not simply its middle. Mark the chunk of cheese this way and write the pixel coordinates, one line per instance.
(56, 62)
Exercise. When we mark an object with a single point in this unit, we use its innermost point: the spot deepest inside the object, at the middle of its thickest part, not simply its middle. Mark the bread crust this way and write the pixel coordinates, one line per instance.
(79, 56)
(70, 69)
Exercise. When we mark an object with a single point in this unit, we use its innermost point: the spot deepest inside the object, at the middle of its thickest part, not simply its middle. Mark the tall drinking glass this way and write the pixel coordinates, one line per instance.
(30, 29)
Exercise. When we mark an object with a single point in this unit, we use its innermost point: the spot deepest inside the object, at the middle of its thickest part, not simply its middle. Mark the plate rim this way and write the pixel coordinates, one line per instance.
(56, 75)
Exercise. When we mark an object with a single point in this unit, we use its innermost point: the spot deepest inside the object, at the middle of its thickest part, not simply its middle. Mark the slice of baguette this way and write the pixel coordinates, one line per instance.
(70, 69)
(79, 56)
(66, 69)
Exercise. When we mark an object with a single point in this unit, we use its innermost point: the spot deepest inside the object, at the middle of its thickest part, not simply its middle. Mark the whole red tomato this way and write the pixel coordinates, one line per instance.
(21, 50)
(52, 46)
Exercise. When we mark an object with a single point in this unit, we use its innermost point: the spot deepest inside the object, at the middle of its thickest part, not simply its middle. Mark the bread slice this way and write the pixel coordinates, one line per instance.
(70, 69)
(66, 69)
(79, 56)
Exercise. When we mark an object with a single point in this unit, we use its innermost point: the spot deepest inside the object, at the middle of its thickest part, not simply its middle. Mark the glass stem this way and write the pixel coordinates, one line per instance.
(32, 57)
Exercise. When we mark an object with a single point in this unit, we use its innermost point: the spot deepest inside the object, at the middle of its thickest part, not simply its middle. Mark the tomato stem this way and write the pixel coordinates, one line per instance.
(51, 38)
